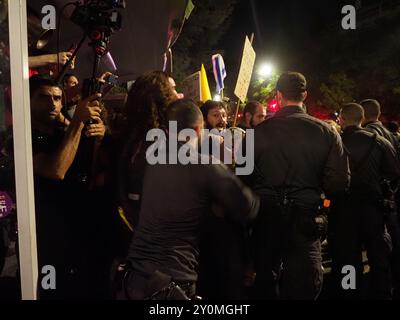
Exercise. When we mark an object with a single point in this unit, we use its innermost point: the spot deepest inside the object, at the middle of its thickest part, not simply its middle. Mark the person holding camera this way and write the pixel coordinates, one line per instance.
(60, 215)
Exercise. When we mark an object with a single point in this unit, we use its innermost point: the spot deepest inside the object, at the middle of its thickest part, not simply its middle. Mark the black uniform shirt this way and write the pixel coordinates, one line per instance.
(378, 128)
(299, 154)
(372, 159)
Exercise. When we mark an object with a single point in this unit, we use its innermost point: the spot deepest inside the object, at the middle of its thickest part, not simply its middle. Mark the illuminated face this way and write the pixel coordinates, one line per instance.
(72, 81)
(259, 116)
(46, 104)
(279, 98)
(173, 84)
(217, 119)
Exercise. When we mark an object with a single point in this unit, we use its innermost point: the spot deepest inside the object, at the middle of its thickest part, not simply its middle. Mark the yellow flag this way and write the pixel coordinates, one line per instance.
(205, 89)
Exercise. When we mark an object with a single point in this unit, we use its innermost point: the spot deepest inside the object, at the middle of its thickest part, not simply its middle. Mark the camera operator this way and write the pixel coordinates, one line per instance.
(58, 200)
(49, 59)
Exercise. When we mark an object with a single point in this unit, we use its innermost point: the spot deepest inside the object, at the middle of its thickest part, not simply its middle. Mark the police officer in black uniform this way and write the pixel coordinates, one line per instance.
(372, 160)
(372, 113)
(297, 158)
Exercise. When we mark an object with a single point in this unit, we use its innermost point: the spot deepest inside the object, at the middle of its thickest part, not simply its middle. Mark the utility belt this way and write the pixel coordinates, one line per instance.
(389, 198)
(387, 205)
(157, 286)
(310, 220)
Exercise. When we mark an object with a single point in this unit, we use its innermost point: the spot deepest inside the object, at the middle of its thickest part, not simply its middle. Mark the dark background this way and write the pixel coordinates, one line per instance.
(307, 36)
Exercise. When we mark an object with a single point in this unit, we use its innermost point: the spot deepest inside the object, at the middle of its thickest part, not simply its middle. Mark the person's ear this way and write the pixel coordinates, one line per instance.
(279, 98)
(199, 128)
(305, 95)
(247, 117)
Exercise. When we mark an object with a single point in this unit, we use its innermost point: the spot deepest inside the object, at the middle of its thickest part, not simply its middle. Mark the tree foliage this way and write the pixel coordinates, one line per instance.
(262, 89)
(207, 24)
(351, 65)
(339, 89)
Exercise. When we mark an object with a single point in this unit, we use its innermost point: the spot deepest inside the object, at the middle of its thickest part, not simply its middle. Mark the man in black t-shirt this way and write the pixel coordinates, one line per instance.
(175, 201)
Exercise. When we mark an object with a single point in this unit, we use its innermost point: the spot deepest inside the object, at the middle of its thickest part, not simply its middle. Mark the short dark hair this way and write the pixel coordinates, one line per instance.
(209, 105)
(292, 85)
(393, 126)
(185, 112)
(372, 108)
(353, 112)
(36, 82)
(67, 76)
(251, 107)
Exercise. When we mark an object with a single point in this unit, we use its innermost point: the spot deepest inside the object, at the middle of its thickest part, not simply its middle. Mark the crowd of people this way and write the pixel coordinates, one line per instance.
(114, 226)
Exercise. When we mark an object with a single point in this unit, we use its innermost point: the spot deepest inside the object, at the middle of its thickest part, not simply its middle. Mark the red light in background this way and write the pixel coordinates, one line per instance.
(96, 35)
(273, 106)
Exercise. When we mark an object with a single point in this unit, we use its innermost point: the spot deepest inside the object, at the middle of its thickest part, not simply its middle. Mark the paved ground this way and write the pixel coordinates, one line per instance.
(9, 286)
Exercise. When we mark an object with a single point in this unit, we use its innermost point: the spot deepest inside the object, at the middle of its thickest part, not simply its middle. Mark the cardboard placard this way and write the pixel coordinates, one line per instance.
(246, 71)
(192, 87)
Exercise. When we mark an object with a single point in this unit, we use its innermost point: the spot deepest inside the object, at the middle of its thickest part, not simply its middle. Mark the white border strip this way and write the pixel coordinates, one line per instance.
(23, 148)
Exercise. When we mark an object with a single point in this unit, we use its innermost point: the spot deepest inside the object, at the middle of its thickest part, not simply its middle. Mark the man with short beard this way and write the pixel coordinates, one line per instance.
(221, 268)
(60, 199)
(254, 113)
(216, 121)
(215, 115)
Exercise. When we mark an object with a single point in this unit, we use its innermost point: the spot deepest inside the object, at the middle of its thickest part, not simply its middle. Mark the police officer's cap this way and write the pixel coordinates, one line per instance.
(291, 83)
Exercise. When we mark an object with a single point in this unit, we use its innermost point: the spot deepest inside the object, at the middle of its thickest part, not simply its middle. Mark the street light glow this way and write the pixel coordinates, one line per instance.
(217, 97)
(266, 70)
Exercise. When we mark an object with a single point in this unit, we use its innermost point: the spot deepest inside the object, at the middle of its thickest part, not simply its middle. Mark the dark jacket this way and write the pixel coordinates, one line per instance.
(378, 128)
(175, 199)
(372, 159)
(300, 155)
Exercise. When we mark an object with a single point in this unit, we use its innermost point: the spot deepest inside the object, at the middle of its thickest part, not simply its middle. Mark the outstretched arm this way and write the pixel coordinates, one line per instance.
(54, 166)
(47, 59)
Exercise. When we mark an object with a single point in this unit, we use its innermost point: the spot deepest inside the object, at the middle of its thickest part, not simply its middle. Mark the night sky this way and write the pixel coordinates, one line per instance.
(281, 27)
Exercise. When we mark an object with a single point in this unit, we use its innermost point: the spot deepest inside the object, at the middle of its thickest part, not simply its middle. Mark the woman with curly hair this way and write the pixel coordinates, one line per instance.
(147, 102)
(145, 109)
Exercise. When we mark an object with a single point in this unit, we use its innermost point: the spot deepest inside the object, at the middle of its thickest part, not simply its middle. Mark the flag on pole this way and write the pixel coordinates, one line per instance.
(219, 71)
(205, 89)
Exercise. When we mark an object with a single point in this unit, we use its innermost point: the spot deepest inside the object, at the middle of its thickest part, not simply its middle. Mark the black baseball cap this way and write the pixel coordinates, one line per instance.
(291, 83)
